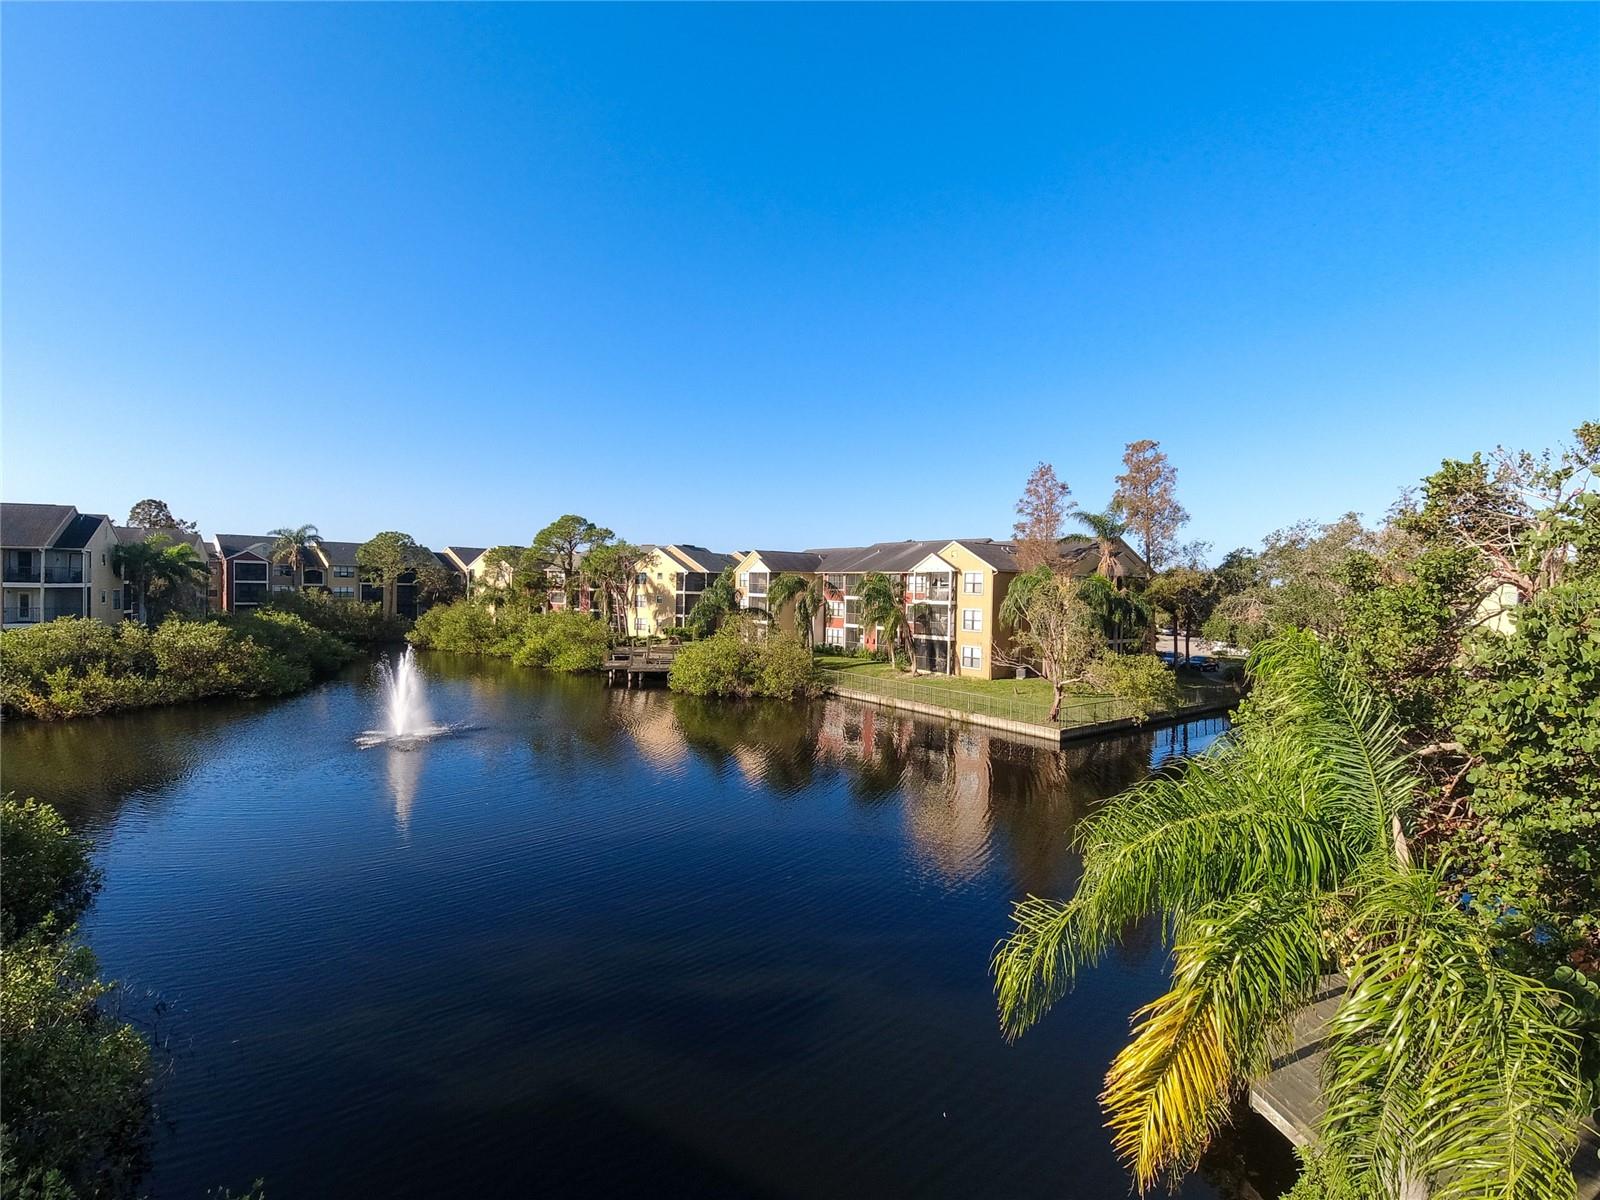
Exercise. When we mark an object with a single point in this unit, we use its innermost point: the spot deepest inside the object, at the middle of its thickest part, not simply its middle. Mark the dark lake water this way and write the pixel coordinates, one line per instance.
(604, 943)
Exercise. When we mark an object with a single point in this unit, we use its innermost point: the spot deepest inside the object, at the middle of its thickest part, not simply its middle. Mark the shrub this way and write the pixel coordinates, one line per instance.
(80, 667)
(347, 620)
(463, 627)
(562, 641)
(732, 663)
(45, 873)
(1142, 679)
(77, 1079)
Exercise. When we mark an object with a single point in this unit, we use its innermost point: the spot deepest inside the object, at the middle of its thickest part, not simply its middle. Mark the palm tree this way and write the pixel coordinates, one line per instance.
(1106, 528)
(292, 544)
(883, 605)
(1272, 861)
(157, 559)
(804, 592)
(1120, 614)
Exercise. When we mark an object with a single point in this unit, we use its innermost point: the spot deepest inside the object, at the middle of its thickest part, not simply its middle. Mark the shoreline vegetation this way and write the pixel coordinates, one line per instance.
(80, 667)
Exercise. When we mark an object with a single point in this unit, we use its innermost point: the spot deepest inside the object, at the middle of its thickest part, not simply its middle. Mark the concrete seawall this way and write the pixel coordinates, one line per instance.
(1055, 734)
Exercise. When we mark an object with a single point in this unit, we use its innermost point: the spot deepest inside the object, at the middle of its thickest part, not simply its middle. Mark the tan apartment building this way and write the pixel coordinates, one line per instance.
(57, 562)
(953, 592)
(669, 584)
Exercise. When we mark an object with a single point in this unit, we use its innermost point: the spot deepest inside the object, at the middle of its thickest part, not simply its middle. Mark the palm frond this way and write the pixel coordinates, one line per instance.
(1444, 1066)
(1325, 705)
(1240, 971)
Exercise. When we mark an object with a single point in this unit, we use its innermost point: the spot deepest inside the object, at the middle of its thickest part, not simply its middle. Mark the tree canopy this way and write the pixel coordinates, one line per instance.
(1146, 498)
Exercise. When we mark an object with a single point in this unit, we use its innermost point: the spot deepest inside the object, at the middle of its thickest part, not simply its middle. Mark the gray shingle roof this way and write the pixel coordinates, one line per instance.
(340, 554)
(32, 525)
(129, 534)
(790, 560)
(234, 544)
(467, 553)
(79, 530)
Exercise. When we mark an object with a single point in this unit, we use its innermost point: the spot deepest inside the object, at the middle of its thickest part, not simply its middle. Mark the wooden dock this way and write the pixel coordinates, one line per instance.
(1290, 1096)
(637, 665)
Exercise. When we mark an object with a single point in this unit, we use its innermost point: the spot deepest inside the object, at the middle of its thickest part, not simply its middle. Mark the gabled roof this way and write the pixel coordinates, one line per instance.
(231, 545)
(34, 526)
(698, 558)
(789, 560)
(80, 530)
(888, 557)
(339, 554)
(465, 556)
(1002, 556)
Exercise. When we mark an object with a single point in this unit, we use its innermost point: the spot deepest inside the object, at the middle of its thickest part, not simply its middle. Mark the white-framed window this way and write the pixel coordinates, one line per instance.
(639, 624)
(971, 656)
(744, 582)
(972, 583)
(285, 568)
(344, 593)
(344, 572)
(836, 608)
(835, 636)
(972, 619)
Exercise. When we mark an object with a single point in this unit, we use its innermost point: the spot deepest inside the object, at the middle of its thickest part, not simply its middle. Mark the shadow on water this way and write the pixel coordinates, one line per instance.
(604, 942)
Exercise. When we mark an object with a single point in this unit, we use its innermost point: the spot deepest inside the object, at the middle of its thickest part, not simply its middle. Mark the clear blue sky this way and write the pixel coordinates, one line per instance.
(832, 274)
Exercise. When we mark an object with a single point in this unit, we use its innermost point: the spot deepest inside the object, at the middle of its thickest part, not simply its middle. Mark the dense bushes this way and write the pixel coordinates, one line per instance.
(732, 663)
(79, 667)
(556, 641)
(347, 620)
(77, 1080)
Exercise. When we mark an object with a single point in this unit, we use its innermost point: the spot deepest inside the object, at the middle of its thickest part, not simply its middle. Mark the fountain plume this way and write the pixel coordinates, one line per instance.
(405, 704)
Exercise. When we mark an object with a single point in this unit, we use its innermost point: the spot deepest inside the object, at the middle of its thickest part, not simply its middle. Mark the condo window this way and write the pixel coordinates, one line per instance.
(344, 572)
(835, 608)
(638, 624)
(250, 572)
(285, 568)
(971, 656)
(344, 593)
(835, 636)
(972, 583)
(972, 619)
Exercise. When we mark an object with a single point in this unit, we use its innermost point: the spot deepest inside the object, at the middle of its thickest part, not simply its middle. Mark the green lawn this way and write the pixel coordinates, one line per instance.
(1019, 699)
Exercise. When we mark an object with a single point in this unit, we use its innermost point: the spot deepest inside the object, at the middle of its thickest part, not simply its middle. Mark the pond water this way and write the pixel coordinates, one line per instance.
(600, 943)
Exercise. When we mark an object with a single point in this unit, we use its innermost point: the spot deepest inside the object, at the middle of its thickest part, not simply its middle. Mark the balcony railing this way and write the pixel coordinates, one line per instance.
(63, 574)
(54, 611)
(15, 574)
(15, 617)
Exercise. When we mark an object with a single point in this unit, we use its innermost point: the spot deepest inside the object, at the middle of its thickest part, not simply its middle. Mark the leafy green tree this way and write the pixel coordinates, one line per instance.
(1272, 860)
(154, 514)
(1188, 595)
(502, 576)
(1529, 729)
(560, 546)
(385, 557)
(611, 570)
(1057, 635)
(292, 544)
(802, 592)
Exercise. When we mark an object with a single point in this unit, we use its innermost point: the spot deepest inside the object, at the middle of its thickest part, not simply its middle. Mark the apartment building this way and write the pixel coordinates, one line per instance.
(57, 562)
(953, 591)
(130, 534)
(247, 576)
(669, 584)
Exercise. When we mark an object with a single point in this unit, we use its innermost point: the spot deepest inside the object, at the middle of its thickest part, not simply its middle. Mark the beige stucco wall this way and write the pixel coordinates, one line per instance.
(995, 584)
